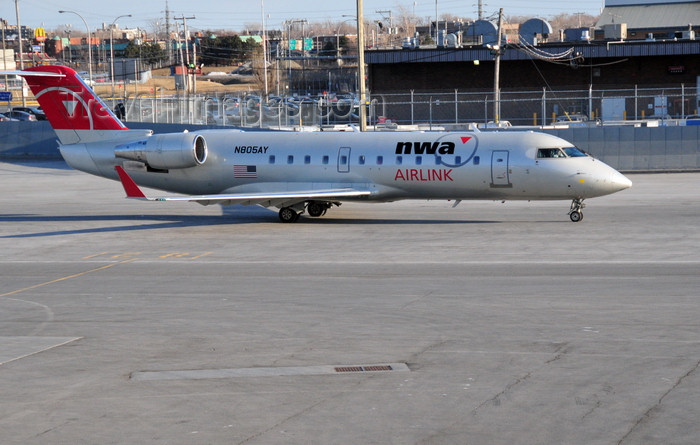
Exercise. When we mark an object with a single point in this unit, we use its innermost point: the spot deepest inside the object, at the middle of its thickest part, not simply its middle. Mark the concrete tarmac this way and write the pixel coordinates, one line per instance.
(404, 323)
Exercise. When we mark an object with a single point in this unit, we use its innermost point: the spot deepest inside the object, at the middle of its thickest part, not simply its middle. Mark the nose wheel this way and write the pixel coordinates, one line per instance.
(575, 213)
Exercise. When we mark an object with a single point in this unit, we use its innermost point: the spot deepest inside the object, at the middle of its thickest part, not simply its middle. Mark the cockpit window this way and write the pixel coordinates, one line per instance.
(550, 153)
(574, 152)
(566, 152)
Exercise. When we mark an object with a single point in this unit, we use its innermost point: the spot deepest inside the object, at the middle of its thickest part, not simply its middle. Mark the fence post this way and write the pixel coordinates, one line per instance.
(411, 107)
(682, 101)
(544, 106)
(430, 108)
(456, 107)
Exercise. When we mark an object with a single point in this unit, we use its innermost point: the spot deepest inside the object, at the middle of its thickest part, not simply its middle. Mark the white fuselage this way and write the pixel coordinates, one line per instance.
(392, 165)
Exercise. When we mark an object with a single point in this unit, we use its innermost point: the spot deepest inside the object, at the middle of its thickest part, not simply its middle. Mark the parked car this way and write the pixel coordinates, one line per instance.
(36, 111)
(4, 118)
(21, 115)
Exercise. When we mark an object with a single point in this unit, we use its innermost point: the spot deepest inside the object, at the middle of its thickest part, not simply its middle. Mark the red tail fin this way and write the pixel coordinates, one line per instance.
(68, 102)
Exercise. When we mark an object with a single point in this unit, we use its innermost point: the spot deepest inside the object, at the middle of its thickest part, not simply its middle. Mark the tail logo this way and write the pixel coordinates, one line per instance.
(70, 106)
(70, 103)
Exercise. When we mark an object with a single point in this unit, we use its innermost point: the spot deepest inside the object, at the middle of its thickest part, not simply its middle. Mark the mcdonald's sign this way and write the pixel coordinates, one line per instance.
(40, 34)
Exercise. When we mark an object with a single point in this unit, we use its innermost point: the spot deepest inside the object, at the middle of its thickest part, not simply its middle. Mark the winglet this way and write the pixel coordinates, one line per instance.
(132, 190)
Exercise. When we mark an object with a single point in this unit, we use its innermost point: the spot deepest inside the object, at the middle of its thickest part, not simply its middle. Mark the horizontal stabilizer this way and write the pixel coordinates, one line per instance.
(132, 190)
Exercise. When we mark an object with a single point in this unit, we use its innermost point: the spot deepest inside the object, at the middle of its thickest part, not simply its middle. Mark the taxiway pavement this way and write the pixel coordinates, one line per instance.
(412, 322)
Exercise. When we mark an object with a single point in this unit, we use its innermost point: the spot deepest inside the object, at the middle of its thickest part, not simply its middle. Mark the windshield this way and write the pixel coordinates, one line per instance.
(566, 152)
(574, 152)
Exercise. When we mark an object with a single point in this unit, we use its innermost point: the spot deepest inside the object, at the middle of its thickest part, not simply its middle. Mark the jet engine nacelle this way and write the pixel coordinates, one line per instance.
(166, 151)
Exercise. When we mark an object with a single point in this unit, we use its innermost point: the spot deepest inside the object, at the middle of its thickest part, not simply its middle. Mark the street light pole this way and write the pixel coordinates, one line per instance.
(89, 41)
(21, 58)
(111, 48)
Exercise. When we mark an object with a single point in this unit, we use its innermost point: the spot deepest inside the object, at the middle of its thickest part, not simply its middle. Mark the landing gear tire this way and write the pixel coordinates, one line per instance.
(575, 213)
(288, 215)
(316, 209)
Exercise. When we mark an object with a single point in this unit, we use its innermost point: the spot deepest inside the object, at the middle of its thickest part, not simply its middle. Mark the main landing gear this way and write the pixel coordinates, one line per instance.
(575, 213)
(313, 208)
(288, 215)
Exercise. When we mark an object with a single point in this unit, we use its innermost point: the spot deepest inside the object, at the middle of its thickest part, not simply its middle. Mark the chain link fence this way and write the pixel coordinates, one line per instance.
(543, 107)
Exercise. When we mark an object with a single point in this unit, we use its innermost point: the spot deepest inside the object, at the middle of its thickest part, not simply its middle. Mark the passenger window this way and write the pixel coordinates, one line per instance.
(361, 160)
(272, 159)
(419, 160)
(458, 160)
(290, 159)
(399, 160)
(438, 160)
(325, 159)
(476, 160)
(380, 160)
(307, 159)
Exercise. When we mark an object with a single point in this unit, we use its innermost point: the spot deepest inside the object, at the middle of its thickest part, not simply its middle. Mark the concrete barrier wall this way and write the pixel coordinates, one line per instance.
(625, 148)
(630, 148)
(28, 139)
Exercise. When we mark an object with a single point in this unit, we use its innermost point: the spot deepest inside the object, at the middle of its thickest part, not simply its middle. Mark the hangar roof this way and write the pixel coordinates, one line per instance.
(650, 16)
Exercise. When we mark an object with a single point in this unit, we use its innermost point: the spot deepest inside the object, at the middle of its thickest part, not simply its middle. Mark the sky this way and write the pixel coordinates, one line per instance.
(236, 14)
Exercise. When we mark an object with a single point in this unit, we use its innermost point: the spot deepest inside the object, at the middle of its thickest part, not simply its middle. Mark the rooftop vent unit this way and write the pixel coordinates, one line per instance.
(482, 32)
(531, 29)
(615, 31)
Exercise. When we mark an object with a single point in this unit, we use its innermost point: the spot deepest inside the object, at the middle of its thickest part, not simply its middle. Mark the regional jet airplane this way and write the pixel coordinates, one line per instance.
(312, 172)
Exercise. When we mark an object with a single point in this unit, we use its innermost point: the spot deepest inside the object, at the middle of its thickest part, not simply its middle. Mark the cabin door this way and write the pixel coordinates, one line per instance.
(499, 169)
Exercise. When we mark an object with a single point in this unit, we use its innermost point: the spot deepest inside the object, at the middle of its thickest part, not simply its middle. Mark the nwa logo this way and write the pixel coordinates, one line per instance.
(450, 150)
(425, 148)
(429, 148)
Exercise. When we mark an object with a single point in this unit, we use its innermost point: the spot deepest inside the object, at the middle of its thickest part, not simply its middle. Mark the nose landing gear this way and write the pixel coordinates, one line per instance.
(575, 213)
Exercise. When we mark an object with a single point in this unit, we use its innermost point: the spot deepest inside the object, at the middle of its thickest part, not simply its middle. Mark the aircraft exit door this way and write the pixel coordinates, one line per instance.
(499, 169)
(343, 159)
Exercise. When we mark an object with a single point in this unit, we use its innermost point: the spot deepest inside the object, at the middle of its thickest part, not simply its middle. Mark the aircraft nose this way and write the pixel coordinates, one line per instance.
(620, 181)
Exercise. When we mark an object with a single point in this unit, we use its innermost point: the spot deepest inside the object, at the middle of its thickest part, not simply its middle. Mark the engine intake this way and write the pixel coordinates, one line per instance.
(166, 151)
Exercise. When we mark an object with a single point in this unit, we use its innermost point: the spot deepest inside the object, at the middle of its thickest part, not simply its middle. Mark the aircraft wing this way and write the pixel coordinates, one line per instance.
(266, 199)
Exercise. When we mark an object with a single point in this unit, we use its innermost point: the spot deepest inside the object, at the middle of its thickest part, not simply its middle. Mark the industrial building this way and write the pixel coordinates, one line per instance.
(605, 59)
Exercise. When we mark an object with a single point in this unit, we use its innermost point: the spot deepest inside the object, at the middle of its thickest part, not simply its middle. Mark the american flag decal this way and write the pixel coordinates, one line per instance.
(245, 171)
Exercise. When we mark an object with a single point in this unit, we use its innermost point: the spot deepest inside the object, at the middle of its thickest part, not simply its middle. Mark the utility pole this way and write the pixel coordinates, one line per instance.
(191, 86)
(361, 64)
(497, 72)
(167, 33)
